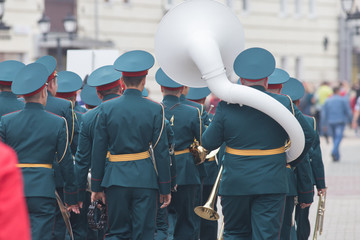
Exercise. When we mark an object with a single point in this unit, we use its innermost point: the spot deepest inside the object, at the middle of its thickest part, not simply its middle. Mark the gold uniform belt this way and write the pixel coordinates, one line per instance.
(31, 165)
(128, 157)
(210, 159)
(182, 151)
(255, 152)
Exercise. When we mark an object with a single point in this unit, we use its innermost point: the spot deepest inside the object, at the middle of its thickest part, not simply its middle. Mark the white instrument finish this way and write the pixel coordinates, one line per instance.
(196, 45)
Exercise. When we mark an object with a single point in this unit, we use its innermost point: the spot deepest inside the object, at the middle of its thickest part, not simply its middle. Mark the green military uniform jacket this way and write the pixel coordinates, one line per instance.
(243, 127)
(83, 153)
(127, 125)
(37, 137)
(205, 119)
(9, 103)
(187, 126)
(211, 167)
(203, 113)
(63, 108)
(315, 158)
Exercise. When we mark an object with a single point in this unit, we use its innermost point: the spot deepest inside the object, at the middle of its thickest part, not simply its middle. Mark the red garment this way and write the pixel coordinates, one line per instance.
(14, 218)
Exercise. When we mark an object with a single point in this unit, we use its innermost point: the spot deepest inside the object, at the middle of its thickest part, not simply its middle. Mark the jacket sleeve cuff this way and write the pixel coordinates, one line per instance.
(320, 183)
(164, 187)
(82, 195)
(96, 185)
(71, 198)
(306, 197)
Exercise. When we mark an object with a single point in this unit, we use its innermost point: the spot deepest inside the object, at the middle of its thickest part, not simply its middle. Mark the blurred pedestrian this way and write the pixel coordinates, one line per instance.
(335, 114)
(323, 93)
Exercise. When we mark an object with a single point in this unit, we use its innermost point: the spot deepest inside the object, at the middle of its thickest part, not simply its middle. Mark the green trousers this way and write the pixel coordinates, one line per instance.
(42, 212)
(131, 213)
(253, 217)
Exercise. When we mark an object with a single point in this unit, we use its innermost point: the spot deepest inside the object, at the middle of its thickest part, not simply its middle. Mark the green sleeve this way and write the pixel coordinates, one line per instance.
(99, 150)
(83, 159)
(161, 152)
(213, 136)
(66, 165)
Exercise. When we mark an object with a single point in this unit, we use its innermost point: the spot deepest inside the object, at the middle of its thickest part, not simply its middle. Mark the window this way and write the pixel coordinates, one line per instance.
(284, 63)
(245, 5)
(283, 7)
(298, 10)
(298, 67)
(312, 8)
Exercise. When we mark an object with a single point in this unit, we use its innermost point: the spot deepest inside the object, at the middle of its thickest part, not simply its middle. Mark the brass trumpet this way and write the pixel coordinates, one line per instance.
(207, 211)
(320, 216)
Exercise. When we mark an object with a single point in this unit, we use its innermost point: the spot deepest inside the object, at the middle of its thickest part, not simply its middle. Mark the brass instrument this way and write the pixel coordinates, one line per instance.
(65, 214)
(207, 211)
(198, 152)
(320, 216)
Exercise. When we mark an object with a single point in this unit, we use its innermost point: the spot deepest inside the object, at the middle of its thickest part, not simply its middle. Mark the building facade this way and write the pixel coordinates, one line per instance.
(302, 34)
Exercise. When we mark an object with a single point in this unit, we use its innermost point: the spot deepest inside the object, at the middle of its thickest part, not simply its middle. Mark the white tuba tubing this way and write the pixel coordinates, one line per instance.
(206, 55)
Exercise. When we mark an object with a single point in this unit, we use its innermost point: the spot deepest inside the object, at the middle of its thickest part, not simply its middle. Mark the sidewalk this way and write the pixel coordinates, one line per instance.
(342, 214)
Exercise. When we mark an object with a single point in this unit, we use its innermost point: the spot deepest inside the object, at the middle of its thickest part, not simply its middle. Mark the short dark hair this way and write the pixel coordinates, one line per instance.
(133, 81)
(113, 90)
(4, 87)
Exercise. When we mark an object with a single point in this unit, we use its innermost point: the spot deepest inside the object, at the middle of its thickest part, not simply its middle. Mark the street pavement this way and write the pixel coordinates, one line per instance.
(342, 210)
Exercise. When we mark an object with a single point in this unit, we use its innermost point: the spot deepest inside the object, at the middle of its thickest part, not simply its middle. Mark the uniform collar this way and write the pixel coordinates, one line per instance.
(132, 91)
(260, 88)
(8, 94)
(182, 97)
(32, 105)
(110, 96)
(171, 99)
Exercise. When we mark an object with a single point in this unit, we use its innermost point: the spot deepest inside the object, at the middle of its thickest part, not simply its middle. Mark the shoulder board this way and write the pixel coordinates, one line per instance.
(54, 114)
(12, 112)
(291, 102)
(147, 98)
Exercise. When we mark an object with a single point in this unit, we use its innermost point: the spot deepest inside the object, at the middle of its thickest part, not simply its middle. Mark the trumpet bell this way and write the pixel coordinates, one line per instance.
(207, 213)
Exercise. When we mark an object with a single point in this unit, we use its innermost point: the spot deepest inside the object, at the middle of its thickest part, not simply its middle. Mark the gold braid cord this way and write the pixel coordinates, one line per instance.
(67, 140)
(73, 120)
(288, 143)
(162, 126)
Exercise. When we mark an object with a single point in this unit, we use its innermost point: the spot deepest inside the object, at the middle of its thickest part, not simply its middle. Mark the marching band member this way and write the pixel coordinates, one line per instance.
(300, 185)
(295, 89)
(208, 229)
(127, 127)
(39, 137)
(254, 182)
(63, 108)
(105, 85)
(187, 125)
(8, 100)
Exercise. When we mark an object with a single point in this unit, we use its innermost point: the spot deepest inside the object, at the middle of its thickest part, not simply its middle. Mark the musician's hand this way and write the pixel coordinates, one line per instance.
(80, 204)
(323, 191)
(305, 205)
(98, 195)
(175, 188)
(73, 208)
(165, 200)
